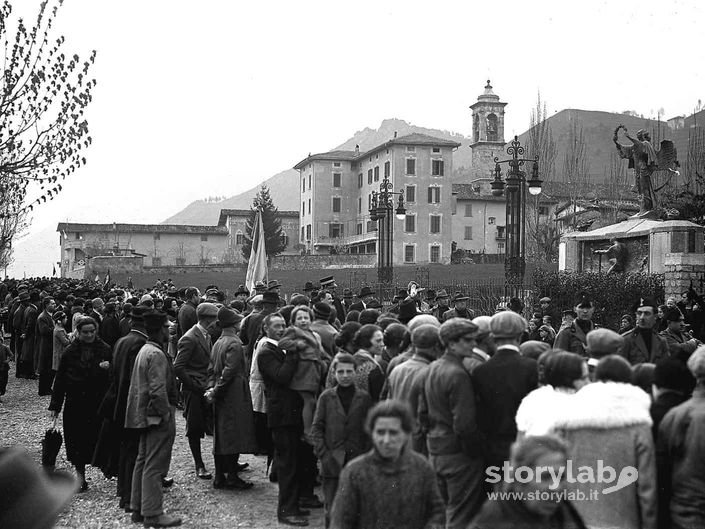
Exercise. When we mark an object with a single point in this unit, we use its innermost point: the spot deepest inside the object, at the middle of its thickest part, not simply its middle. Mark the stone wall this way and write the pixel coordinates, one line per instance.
(681, 272)
(116, 264)
(317, 262)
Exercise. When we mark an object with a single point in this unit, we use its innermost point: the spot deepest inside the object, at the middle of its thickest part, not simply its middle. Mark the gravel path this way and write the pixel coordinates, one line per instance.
(23, 420)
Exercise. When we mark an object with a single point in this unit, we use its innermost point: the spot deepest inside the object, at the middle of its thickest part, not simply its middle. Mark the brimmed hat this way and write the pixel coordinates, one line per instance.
(374, 304)
(569, 312)
(365, 291)
(327, 281)
(441, 294)
(228, 317)
(545, 299)
(146, 299)
(507, 324)
(459, 296)
(430, 294)
(308, 287)
(206, 310)
(273, 284)
(260, 286)
(347, 294)
(270, 297)
(24, 296)
(29, 497)
(138, 312)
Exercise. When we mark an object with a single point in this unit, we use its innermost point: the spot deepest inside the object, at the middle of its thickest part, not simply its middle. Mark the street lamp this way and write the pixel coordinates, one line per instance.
(515, 186)
(381, 209)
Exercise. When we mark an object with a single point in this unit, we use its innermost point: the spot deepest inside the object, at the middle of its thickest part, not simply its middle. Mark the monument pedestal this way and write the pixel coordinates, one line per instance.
(673, 248)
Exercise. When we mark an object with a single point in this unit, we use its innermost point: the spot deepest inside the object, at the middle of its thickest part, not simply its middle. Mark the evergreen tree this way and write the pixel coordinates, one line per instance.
(273, 233)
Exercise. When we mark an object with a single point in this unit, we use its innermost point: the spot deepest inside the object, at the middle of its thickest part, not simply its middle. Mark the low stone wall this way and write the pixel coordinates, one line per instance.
(681, 272)
(322, 262)
(124, 264)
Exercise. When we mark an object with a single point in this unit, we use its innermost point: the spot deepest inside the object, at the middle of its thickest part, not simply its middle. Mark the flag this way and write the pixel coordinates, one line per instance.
(53, 270)
(107, 278)
(257, 266)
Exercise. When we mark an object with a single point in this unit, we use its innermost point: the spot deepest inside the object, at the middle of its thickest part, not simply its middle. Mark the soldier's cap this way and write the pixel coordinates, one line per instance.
(674, 314)
(648, 301)
(327, 281)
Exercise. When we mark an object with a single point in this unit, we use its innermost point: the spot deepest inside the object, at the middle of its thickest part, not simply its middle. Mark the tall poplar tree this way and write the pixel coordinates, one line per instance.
(275, 241)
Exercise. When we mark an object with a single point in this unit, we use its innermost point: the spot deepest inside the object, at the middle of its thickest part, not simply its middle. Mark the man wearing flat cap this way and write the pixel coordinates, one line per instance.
(680, 343)
(500, 385)
(191, 366)
(573, 338)
(642, 343)
(449, 416)
(233, 419)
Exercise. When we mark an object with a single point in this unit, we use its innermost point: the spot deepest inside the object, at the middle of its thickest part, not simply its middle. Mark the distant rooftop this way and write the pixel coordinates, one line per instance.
(225, 213)
(350, 156)
(141, 228)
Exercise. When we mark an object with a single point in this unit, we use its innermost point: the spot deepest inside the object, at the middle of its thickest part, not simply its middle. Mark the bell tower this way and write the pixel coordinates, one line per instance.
(487, 132)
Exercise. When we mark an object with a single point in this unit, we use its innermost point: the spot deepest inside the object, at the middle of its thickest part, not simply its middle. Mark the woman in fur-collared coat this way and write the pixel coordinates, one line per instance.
(609, 421)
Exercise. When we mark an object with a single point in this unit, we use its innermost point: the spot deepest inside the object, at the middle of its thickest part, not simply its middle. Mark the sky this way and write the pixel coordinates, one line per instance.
(209, 98)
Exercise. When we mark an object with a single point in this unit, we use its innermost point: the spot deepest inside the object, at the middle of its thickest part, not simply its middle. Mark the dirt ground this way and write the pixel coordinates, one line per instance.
(24, 419)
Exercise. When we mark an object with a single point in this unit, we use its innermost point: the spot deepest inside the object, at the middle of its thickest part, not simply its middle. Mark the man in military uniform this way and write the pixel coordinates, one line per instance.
(573, 337)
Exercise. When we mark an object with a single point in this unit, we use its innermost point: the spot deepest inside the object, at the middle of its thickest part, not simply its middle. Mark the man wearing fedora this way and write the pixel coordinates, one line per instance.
(364, 297)
(643, 343)
(252, 324)
(320, 325)
(328, 283)
(191, 366)
(442, 306)
(573, 338)
(460, 309)
(500, 385)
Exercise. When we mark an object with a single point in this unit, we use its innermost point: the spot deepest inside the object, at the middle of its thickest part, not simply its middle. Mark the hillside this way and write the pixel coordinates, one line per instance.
(284, 186)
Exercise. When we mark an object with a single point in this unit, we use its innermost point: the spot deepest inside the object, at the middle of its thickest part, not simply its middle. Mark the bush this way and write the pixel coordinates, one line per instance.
(613, 294)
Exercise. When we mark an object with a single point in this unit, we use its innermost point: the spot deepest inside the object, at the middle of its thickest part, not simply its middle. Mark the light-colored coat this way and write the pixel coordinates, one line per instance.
(234, 427)
(610, 422)
(152, 388)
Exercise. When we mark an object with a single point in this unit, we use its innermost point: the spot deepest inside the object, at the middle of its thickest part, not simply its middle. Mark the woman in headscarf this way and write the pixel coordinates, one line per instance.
(79, 387)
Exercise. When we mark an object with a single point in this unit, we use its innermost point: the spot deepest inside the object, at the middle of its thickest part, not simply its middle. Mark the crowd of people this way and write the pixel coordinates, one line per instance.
(409, 415)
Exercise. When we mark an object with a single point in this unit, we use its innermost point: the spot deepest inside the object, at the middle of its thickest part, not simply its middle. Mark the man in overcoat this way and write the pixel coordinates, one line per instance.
(233, 419)
(45, 346)
(643, 343)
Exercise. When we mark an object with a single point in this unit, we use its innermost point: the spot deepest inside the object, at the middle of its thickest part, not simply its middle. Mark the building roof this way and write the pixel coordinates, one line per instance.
(225, 213)
(409, 139)
(141, 228)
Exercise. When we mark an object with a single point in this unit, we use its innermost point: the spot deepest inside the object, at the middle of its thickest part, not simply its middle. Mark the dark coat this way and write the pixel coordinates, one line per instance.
(573, 339)
(125, 326)
(661, 405)
(635, 348)
(327, 333)
(500, 385)
(251, 330)
(29, 329)
(511, 514)
(234, 427)
(110, 329)
(338, 436)
(192, 359)
(679, 346)
(284, 405)
(45, 341)
(186, 318)
(81, 383)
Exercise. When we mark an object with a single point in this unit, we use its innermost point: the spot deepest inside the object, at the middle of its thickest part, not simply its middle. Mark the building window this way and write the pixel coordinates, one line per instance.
(410, 224)
(336, 164)
(371, 226)
(303, 233)
(435, 224)
(491, 220)
(411, 166)
(336, 204)
(492, 132)
(468, 233)
(359, 204)
(240, 238)
(303, 207)
(410, 194)
(387, 168)
(409, 253)
(411, 148)
(359, 180)
(376, 173)
(436, 150)
(436, 167)
(500, 232)
(435, 256)
(500, 247)
(369, 176)
(308, 232)
(78, 236)
(468, 210)
(157, 236)
(358, 229)
(336, 179)
(156, 261)
(335, 230)
(434, 194)
(204, 238)
(303, 185)
(309, 182)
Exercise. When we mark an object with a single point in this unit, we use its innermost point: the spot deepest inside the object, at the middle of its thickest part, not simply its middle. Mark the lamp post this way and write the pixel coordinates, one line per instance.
(516, 184)
(381, 209)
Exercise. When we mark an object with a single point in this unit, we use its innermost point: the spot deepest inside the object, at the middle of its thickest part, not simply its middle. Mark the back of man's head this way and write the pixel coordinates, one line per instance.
(603, 342)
